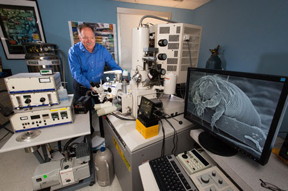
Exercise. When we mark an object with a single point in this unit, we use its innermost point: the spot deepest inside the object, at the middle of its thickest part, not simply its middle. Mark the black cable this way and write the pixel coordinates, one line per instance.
(68, 143)
(270, 186)
(163, 140)
(172, 116)
(175, 138)
(122, 118)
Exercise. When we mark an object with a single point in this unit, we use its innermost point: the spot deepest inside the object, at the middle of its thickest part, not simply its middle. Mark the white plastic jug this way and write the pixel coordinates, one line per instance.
(104, 167)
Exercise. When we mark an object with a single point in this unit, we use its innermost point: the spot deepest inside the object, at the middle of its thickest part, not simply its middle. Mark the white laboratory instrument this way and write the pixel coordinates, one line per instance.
(32, 82)
(64, 171)
(193, 161)
(161, 54)
(42, 117)
(34, 99)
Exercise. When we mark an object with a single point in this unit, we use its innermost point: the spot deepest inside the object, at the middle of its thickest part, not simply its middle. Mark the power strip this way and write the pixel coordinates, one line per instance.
(212, 179)
(193, 161)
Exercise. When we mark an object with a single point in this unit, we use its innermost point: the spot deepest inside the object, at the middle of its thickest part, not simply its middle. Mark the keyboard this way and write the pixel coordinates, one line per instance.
(169, 174)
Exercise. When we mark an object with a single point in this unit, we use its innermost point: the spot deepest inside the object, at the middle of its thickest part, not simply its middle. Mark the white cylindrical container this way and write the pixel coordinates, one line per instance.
(140, 39)
(104, 166)
(125, 79)
(170, 83)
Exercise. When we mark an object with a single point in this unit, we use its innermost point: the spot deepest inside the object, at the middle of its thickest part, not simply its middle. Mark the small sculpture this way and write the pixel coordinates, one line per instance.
(214, 62)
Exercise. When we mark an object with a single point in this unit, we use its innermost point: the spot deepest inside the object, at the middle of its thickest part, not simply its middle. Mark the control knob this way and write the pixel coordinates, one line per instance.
(162, 56)
(212, 189)
(28, 101)
(163, 42)
(205, 178)
(220, 181)
(184, 156)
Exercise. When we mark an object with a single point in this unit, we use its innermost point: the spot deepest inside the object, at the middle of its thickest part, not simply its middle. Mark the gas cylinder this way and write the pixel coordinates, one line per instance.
(104, 167)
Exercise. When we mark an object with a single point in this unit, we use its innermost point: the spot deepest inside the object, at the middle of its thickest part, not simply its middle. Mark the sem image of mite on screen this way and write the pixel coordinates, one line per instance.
(233, 108)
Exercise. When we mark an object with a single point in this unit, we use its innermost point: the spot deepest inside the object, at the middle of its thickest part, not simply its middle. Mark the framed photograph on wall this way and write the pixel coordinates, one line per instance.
(105, 35)
(20, 23)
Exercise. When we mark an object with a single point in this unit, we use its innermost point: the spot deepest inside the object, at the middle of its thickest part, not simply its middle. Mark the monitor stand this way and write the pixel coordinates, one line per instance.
(215, 145)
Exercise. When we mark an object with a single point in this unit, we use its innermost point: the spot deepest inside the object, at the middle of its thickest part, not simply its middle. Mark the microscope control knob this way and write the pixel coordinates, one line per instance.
(205, 178)
(212, 189)
(220, 181)
(184, 156)
(163, 42)
(162, 56)
(28, 101)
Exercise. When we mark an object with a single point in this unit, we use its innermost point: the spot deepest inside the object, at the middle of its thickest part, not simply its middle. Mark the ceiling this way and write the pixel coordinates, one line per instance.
(183, 4)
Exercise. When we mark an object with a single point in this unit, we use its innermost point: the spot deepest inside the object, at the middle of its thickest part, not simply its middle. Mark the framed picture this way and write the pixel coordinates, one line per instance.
(20, 23)
(105, 35)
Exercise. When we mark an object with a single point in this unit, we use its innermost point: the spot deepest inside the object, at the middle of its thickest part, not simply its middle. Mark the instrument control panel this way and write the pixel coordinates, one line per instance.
(212, 179)
(193, 161)
(42, 117)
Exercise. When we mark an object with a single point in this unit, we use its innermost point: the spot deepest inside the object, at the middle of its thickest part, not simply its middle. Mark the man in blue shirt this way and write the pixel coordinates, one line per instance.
(87, 61)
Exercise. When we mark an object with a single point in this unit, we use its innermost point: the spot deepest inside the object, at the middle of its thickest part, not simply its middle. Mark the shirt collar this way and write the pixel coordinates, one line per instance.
(82, 47)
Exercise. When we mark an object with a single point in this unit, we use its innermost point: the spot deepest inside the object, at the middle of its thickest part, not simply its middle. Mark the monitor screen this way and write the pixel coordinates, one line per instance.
(240, 110)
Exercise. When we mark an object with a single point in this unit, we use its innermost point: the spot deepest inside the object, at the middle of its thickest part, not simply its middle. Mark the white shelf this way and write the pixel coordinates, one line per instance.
(80, 127)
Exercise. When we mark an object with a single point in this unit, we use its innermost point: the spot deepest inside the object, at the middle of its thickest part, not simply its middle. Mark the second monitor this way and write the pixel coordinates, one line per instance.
(237, 109)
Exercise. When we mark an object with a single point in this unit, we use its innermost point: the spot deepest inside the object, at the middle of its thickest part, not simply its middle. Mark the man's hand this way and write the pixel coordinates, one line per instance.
(97, 89)
(94, 89)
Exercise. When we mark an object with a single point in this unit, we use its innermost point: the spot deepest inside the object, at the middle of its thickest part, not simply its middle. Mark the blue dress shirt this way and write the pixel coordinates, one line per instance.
(88, 67)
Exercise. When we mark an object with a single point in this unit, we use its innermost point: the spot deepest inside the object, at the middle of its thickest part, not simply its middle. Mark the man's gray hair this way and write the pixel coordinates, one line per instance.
(84, 25)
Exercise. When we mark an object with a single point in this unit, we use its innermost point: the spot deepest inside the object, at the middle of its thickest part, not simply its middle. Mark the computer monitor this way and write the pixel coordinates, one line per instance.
(237, 111)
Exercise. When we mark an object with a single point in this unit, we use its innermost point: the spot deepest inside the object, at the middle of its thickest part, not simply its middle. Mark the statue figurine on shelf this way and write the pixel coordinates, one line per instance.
(214, 62)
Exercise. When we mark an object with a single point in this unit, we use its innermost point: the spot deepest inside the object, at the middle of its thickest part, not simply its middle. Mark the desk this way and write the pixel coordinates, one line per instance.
(80, 127)
(243, 171)
(246, 172)
(130, 149)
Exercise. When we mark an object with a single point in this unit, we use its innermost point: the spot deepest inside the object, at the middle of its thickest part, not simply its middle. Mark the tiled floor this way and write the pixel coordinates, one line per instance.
(17, 167)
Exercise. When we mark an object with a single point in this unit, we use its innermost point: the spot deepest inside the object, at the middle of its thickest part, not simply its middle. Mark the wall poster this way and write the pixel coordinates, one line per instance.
(20, 23)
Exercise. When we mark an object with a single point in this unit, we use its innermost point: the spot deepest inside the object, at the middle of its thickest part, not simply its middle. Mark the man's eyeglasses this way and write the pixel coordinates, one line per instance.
(270, 186)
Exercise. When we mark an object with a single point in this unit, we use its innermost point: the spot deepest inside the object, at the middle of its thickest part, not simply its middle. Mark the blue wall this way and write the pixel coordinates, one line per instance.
(252, 34)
